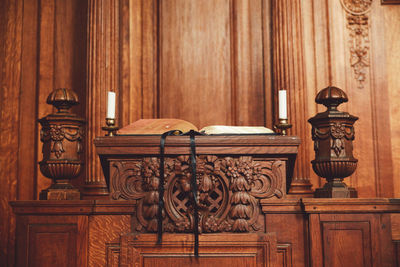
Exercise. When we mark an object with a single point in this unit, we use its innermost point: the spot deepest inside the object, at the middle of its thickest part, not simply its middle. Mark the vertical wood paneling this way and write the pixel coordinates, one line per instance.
(269, 104)
(40, 49)
(288, 73)
(103, 76)
(149, 68)
(211, 62)
(332, 48)
(60, 60)
(195, 68)
(28, 104)
(392, 49)
(46, 70)
(10, 78)
(248, 63)
(131, 61)
(380, 94)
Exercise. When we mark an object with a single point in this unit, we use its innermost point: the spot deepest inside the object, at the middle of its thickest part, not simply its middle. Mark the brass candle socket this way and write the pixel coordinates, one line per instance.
(111, 129)
(282, 126)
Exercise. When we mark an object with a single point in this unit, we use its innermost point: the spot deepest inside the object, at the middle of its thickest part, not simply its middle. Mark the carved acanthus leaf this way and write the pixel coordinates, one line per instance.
(358, 25)
(229, 189)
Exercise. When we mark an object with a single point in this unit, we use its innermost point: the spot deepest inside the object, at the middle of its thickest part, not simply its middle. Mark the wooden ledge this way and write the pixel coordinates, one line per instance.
(345, 205)
(281, 206)
(330, 205)
(210, 144)
(73, 207)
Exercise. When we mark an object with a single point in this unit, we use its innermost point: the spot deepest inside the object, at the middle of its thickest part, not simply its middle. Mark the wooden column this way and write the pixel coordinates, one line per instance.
(103, 76)
(289, 74)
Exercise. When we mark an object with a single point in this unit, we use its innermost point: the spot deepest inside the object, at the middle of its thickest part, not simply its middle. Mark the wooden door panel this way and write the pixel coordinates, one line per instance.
(215, 250)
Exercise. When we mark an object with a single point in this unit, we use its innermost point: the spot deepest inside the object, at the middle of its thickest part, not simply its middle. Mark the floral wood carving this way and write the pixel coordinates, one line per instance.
(229, 189)
(56, 134)
(338, 133)
(357, 23)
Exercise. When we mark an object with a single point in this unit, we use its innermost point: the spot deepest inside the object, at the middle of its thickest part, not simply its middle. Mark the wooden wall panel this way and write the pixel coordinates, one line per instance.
(392, 49)
(51, 59)
(28, 105)
(291, 237)
(350, 240)
(41, 49)
(104, 237)
(52, 241)
(195, 61)
(243, 250)
(103, 76)
(211, 62)
(10, 79)
(44, 46)
(334, 41)
(289, 74)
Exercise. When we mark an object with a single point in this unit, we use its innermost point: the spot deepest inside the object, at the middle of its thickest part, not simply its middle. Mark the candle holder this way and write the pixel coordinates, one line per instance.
(282, 126)
(111, 129)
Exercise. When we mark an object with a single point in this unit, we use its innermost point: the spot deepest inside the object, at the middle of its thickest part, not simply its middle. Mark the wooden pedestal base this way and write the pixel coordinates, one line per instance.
(335, 189)
(60, 191)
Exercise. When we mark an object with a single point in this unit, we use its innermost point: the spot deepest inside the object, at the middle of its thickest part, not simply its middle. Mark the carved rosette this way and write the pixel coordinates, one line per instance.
(358, 25)
(229, 189)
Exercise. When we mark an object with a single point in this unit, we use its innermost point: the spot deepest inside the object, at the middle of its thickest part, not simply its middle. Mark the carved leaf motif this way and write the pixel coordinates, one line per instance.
(229, 189)
(240, 225)
(357, 23)
(206, 184)
(58, 148)
(338, 146)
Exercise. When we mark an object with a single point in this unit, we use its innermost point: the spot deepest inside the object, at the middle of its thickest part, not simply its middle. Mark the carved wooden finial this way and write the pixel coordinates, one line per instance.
(62, 136)
(331, 97)
(63, 99)
(333, 135)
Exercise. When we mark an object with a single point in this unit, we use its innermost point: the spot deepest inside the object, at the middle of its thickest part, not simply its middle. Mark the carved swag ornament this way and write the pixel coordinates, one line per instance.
(57, 133)
(229, 189)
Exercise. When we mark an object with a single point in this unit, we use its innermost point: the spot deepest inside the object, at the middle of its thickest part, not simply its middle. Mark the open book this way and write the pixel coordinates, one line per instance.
(160, 126)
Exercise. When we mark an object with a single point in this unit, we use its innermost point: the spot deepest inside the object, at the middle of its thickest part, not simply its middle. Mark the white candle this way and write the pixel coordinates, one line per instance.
(111, 105)
(282, 104)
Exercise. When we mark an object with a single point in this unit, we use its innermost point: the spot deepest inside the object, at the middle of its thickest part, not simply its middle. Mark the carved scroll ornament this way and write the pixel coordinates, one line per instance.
(229, 190)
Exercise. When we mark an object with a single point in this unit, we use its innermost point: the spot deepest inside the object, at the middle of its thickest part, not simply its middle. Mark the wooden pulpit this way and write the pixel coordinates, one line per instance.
(233, 173)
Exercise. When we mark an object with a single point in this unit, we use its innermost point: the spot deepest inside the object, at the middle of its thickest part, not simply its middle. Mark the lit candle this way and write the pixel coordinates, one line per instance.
(282, 105)
(111, 105)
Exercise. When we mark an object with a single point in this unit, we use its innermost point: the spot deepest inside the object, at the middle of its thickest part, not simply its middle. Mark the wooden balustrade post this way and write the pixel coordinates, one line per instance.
(289, 73)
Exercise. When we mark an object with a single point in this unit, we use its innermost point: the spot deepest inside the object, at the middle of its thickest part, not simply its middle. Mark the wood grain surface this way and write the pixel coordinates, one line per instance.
(226, 56)
(104, 231)
(10, 54)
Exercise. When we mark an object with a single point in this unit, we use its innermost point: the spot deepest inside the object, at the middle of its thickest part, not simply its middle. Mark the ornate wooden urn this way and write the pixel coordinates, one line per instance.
(62, 136)
(333, 134)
